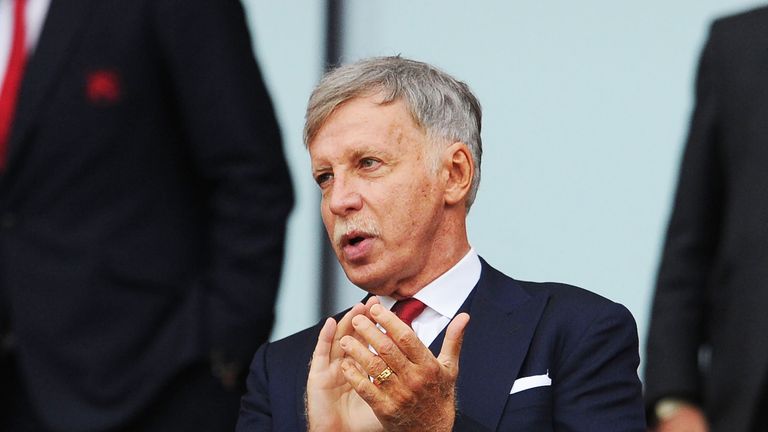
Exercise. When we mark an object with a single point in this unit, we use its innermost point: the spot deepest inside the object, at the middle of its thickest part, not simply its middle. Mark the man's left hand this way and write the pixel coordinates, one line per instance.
(420, 393)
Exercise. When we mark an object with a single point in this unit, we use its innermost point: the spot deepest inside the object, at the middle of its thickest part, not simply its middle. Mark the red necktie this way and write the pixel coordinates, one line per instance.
(13, 74)
(407, 310)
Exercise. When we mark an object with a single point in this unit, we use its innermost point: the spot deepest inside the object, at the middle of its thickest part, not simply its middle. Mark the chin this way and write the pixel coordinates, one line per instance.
(370, 284)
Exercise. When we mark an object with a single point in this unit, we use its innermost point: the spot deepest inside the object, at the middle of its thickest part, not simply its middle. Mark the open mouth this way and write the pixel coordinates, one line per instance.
(355, 240)
(356, 245)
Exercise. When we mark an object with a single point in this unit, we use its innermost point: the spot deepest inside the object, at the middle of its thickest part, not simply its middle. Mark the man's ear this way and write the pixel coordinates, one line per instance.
(458, 163)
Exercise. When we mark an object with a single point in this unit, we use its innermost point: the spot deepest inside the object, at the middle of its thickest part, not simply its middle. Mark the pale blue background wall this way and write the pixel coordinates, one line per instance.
(586, 108)
(288, 38)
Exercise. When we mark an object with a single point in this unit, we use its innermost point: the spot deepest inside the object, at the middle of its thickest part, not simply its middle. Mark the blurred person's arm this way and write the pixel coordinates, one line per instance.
(678, 317)
(674, 415)
(235, 147)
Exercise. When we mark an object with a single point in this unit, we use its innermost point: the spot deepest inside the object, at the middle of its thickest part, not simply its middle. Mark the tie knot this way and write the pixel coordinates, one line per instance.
(407, 310)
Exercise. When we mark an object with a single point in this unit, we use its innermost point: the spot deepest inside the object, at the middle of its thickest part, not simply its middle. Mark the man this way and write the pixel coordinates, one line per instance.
(143, 203)
(395, 148)
(707, 351)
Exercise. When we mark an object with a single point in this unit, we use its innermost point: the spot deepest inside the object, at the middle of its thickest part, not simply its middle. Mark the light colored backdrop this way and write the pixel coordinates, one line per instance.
(288, 39)
(586, 107)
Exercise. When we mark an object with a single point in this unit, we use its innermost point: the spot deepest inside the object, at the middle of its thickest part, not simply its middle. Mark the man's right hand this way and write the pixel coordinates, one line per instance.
(686, 418)
(332, 404)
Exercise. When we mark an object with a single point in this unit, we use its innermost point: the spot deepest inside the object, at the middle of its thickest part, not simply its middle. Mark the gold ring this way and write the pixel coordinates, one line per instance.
(383, 376)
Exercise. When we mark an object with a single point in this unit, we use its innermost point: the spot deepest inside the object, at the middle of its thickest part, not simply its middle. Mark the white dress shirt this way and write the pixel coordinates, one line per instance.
(443, 297)
(34, 17)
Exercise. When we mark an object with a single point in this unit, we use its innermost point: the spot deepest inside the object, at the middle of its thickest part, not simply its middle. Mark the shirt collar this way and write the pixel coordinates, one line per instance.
(447, 293)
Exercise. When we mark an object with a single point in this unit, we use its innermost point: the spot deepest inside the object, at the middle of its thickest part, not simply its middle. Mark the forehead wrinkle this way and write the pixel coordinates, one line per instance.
(320, 167)
(364, 151)
(399, 131)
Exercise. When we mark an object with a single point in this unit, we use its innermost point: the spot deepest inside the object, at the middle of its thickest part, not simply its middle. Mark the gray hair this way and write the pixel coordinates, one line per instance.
(442, 105)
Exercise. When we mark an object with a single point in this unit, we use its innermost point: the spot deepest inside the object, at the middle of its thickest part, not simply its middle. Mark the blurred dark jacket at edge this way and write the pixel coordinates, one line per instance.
(142, 215)
(707, 341)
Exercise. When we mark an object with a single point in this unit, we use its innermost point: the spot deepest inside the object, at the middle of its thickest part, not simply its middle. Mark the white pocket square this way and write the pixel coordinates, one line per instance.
(530, 382)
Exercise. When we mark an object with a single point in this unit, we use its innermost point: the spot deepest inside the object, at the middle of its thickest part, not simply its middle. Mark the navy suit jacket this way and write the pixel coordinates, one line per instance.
(586, 344)
(143, 208)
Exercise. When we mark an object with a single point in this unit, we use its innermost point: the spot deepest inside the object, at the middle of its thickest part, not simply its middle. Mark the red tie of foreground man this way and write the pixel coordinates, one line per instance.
(407, 310)
(12, 80)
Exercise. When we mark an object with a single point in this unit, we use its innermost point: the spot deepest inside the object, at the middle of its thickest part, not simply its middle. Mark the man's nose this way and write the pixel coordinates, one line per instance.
(345, 197)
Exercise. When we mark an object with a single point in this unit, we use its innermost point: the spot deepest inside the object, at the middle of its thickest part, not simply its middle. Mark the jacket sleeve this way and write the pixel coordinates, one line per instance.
(235, 146)
(678, 316)
(597, 384)
(255, 412)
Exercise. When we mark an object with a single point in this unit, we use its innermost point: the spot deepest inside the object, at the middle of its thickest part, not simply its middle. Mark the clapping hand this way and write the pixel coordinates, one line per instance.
(332, 403)
(412, 390)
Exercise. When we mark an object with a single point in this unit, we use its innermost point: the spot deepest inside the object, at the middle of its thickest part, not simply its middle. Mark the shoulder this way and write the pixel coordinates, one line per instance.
(279, 369)
(295, 348)
(289, 349)
(575, 301)
(563, 298)
(750, 23)
(568, 310)
(574, 315)
(755, 15)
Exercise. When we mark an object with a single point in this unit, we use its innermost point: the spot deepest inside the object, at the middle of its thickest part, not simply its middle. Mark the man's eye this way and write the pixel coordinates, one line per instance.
(321, 179)
(368, 163)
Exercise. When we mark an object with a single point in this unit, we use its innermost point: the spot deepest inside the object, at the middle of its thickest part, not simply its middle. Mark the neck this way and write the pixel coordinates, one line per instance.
(449, 247)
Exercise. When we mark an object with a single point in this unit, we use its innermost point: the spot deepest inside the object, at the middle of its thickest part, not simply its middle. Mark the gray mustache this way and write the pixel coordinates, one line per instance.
(358, 224)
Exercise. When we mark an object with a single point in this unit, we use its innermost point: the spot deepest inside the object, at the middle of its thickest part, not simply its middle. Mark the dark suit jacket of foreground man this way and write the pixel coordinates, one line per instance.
(712, 288)
(587, 345)
(143, 207)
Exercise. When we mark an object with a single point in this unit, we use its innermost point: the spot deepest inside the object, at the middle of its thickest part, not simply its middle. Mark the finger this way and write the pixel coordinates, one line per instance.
(370, 363)
(324, 342)
(402, 335)
(375, 396)
(382, 343)
(454, 337)
(372, 300)
(343, 328)
(360, 382)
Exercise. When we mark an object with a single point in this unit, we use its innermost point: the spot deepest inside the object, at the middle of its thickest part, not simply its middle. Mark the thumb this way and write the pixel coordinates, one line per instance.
(454, 337)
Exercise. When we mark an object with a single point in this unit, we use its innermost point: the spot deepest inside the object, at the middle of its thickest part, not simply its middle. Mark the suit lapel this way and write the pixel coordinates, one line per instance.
(503, 319)
(60, 31)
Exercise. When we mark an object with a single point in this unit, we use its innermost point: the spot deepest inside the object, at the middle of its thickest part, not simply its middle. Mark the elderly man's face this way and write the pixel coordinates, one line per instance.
(382, 203)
